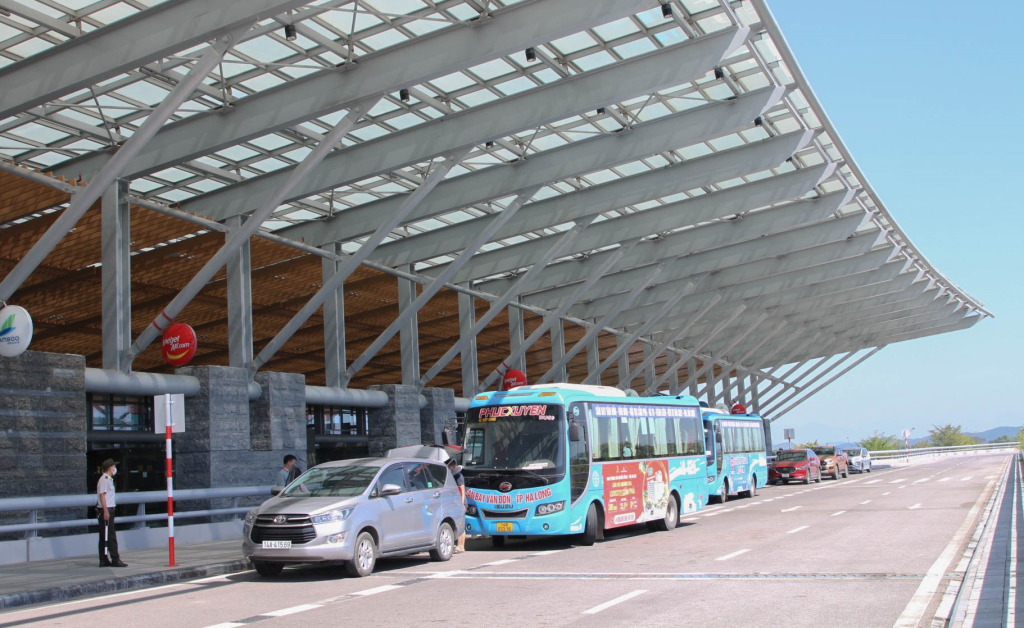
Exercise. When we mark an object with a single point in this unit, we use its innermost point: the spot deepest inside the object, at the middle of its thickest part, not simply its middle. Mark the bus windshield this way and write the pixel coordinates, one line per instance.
(525, 437)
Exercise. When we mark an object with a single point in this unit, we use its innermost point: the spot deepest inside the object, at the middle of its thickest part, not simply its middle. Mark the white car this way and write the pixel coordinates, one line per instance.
(860, 459)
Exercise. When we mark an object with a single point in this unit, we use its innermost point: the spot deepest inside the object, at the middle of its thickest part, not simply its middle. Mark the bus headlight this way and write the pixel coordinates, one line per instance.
(471, 510)
(550, 508)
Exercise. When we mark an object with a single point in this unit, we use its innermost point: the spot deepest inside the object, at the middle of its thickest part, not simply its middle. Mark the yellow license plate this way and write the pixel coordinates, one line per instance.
(503, 526)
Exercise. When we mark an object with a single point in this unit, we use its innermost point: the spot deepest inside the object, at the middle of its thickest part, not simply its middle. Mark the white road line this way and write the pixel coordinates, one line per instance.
(901, 486)
(886, 493)
(291, 611)
(872, 481)
(610, 603)
(1011, 605)
(376, 590)
(866, 501)
(227, 624)
(898, 481)
(790, 509)
(921, 480)
(795, 530)
(743, 506)
(914, 507)
(945, 479)
(448, 574)
(713, 514)
(989, 477)
(733, 555)
(918, 604)
(966, 478)
(546, 553)
(501, 562)
(836, 514)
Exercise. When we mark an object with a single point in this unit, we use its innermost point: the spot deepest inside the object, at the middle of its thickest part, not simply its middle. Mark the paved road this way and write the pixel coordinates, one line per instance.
(853, 552)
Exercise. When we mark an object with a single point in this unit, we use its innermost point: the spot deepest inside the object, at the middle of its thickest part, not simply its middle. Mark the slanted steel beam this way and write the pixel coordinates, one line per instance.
(245, 231)
(115, 166)
(499, 304)
(709, 367)
(824, 371)
(124, 46)
(745, 356)
(815, 391)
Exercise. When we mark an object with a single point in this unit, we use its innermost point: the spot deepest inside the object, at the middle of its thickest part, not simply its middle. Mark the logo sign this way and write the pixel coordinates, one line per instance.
(505, 487)
(179, 344)
(739, 408)
(15, 331)
(513, 378)
(280, 519)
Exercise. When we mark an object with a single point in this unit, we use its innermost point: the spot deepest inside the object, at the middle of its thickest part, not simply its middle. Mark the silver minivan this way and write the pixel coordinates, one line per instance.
(355, 511)
(860, 459)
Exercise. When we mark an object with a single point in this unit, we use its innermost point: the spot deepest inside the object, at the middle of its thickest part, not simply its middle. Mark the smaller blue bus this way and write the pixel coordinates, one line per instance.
(736, 442)
(574, 459)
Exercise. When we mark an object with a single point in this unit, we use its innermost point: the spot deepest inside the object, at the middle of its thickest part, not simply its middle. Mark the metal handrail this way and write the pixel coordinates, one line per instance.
(52, 502)
(889, 454)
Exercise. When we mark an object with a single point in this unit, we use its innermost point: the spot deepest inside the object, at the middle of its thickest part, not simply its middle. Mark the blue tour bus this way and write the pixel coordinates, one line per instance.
(736, 443)
(576, 459)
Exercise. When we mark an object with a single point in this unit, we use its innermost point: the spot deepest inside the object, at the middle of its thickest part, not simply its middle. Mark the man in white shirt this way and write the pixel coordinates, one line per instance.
(105, 503)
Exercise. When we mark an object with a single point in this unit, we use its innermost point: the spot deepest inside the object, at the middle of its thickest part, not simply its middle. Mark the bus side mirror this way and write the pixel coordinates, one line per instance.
(575, 435)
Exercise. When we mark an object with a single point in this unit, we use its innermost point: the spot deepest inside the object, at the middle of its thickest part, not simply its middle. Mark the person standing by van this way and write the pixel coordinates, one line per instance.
(460, 545)
(105, 503)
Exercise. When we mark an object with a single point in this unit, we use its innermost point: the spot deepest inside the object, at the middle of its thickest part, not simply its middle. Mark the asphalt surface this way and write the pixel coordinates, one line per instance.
(870, 550)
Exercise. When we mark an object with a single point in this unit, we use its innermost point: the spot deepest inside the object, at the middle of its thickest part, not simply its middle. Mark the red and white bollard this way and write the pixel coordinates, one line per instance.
(170, 485)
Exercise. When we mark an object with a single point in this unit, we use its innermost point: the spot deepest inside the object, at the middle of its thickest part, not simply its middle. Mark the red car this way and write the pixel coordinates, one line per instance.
(798, 465)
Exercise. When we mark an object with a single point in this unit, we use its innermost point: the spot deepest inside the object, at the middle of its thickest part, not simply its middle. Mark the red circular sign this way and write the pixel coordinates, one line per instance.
(513, 378)
(739, 408)
(179, 344)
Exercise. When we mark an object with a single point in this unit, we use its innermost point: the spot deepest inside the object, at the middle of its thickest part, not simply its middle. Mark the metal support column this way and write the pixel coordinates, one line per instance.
(673, 383)
(239, 282)
(594, 360)
(335, 359)
(516, 335)
(117, 276)
(623, 361)
(470, 373)
(558, 349)
(409, 336)
(755, 395)
(83, 199)
(691, 382)
(649, 369)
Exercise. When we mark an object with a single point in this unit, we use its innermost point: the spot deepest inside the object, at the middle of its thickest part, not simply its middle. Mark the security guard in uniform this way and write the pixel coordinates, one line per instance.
(105, 503)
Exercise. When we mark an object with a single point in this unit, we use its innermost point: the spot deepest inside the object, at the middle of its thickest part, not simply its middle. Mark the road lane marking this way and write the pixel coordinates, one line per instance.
(546, 553)
(1011, 602)
(795, 530)
(921, 480)
(610, 603)
(886, 493)
(866, 501)
(945, 479)
(227, 624)
(790, 509)
(966, 478)
(733, 555)
(919, 603)
(898, 481)
(376, 590)
(501, 562)
(836, 514)
(872, 481)
(291, 611)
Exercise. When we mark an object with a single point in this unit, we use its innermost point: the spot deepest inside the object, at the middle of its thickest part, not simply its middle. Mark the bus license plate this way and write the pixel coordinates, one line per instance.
(277, 544)
(503, 526)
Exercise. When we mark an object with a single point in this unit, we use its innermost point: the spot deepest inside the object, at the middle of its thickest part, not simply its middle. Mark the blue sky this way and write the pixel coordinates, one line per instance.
(927, 96)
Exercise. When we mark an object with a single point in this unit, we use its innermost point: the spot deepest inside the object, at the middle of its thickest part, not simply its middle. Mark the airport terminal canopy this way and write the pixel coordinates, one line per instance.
(438, 190)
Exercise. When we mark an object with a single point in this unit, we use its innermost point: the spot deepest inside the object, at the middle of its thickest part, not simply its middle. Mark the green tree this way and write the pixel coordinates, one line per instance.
(1004, 439)
(1020, 438)
(881, 442)
(949, 435)
(809, 445)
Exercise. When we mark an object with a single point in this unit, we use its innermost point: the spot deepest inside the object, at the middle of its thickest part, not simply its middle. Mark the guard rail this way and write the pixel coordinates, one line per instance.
(32, 505)
(921, 452)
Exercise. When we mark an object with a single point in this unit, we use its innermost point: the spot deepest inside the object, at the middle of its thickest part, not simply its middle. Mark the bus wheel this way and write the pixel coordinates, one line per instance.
(724, 497)
(752, 491)
(589, 535)
(671, 519)
(498, 541)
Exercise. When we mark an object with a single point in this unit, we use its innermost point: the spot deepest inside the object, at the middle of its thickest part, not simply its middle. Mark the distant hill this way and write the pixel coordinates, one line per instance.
(985, 437)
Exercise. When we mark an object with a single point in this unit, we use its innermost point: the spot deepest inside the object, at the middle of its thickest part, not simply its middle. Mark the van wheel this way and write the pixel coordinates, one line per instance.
(847, 473)
(268, 570)
(445, 544)
(589, 535)
(869, 468)
(671, 519)
(498, 541)
(365, 557)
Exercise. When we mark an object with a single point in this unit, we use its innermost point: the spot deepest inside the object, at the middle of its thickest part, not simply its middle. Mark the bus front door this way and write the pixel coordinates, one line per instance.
(710, 450)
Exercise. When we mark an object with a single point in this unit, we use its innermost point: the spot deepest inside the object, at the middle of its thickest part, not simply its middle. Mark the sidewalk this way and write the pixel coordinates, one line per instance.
(56, 580)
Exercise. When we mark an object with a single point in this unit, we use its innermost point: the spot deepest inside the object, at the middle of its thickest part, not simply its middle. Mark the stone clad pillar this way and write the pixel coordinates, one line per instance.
(439, 410)
(397, 424)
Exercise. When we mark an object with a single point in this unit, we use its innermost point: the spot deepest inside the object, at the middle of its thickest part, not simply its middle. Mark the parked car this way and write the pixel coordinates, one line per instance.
(860, 459)
(355, 511)
(834, 461)
(796, 465)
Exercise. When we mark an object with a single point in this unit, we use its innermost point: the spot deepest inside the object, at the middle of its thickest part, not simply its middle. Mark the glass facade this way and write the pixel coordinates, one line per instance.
(336, 433)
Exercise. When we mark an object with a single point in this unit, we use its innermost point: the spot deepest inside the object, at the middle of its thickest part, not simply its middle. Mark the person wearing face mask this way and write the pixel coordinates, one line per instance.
(105, 503)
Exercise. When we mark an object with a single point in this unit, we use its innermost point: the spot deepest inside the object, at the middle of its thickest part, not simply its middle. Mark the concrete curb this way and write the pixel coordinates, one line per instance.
(126, 583)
